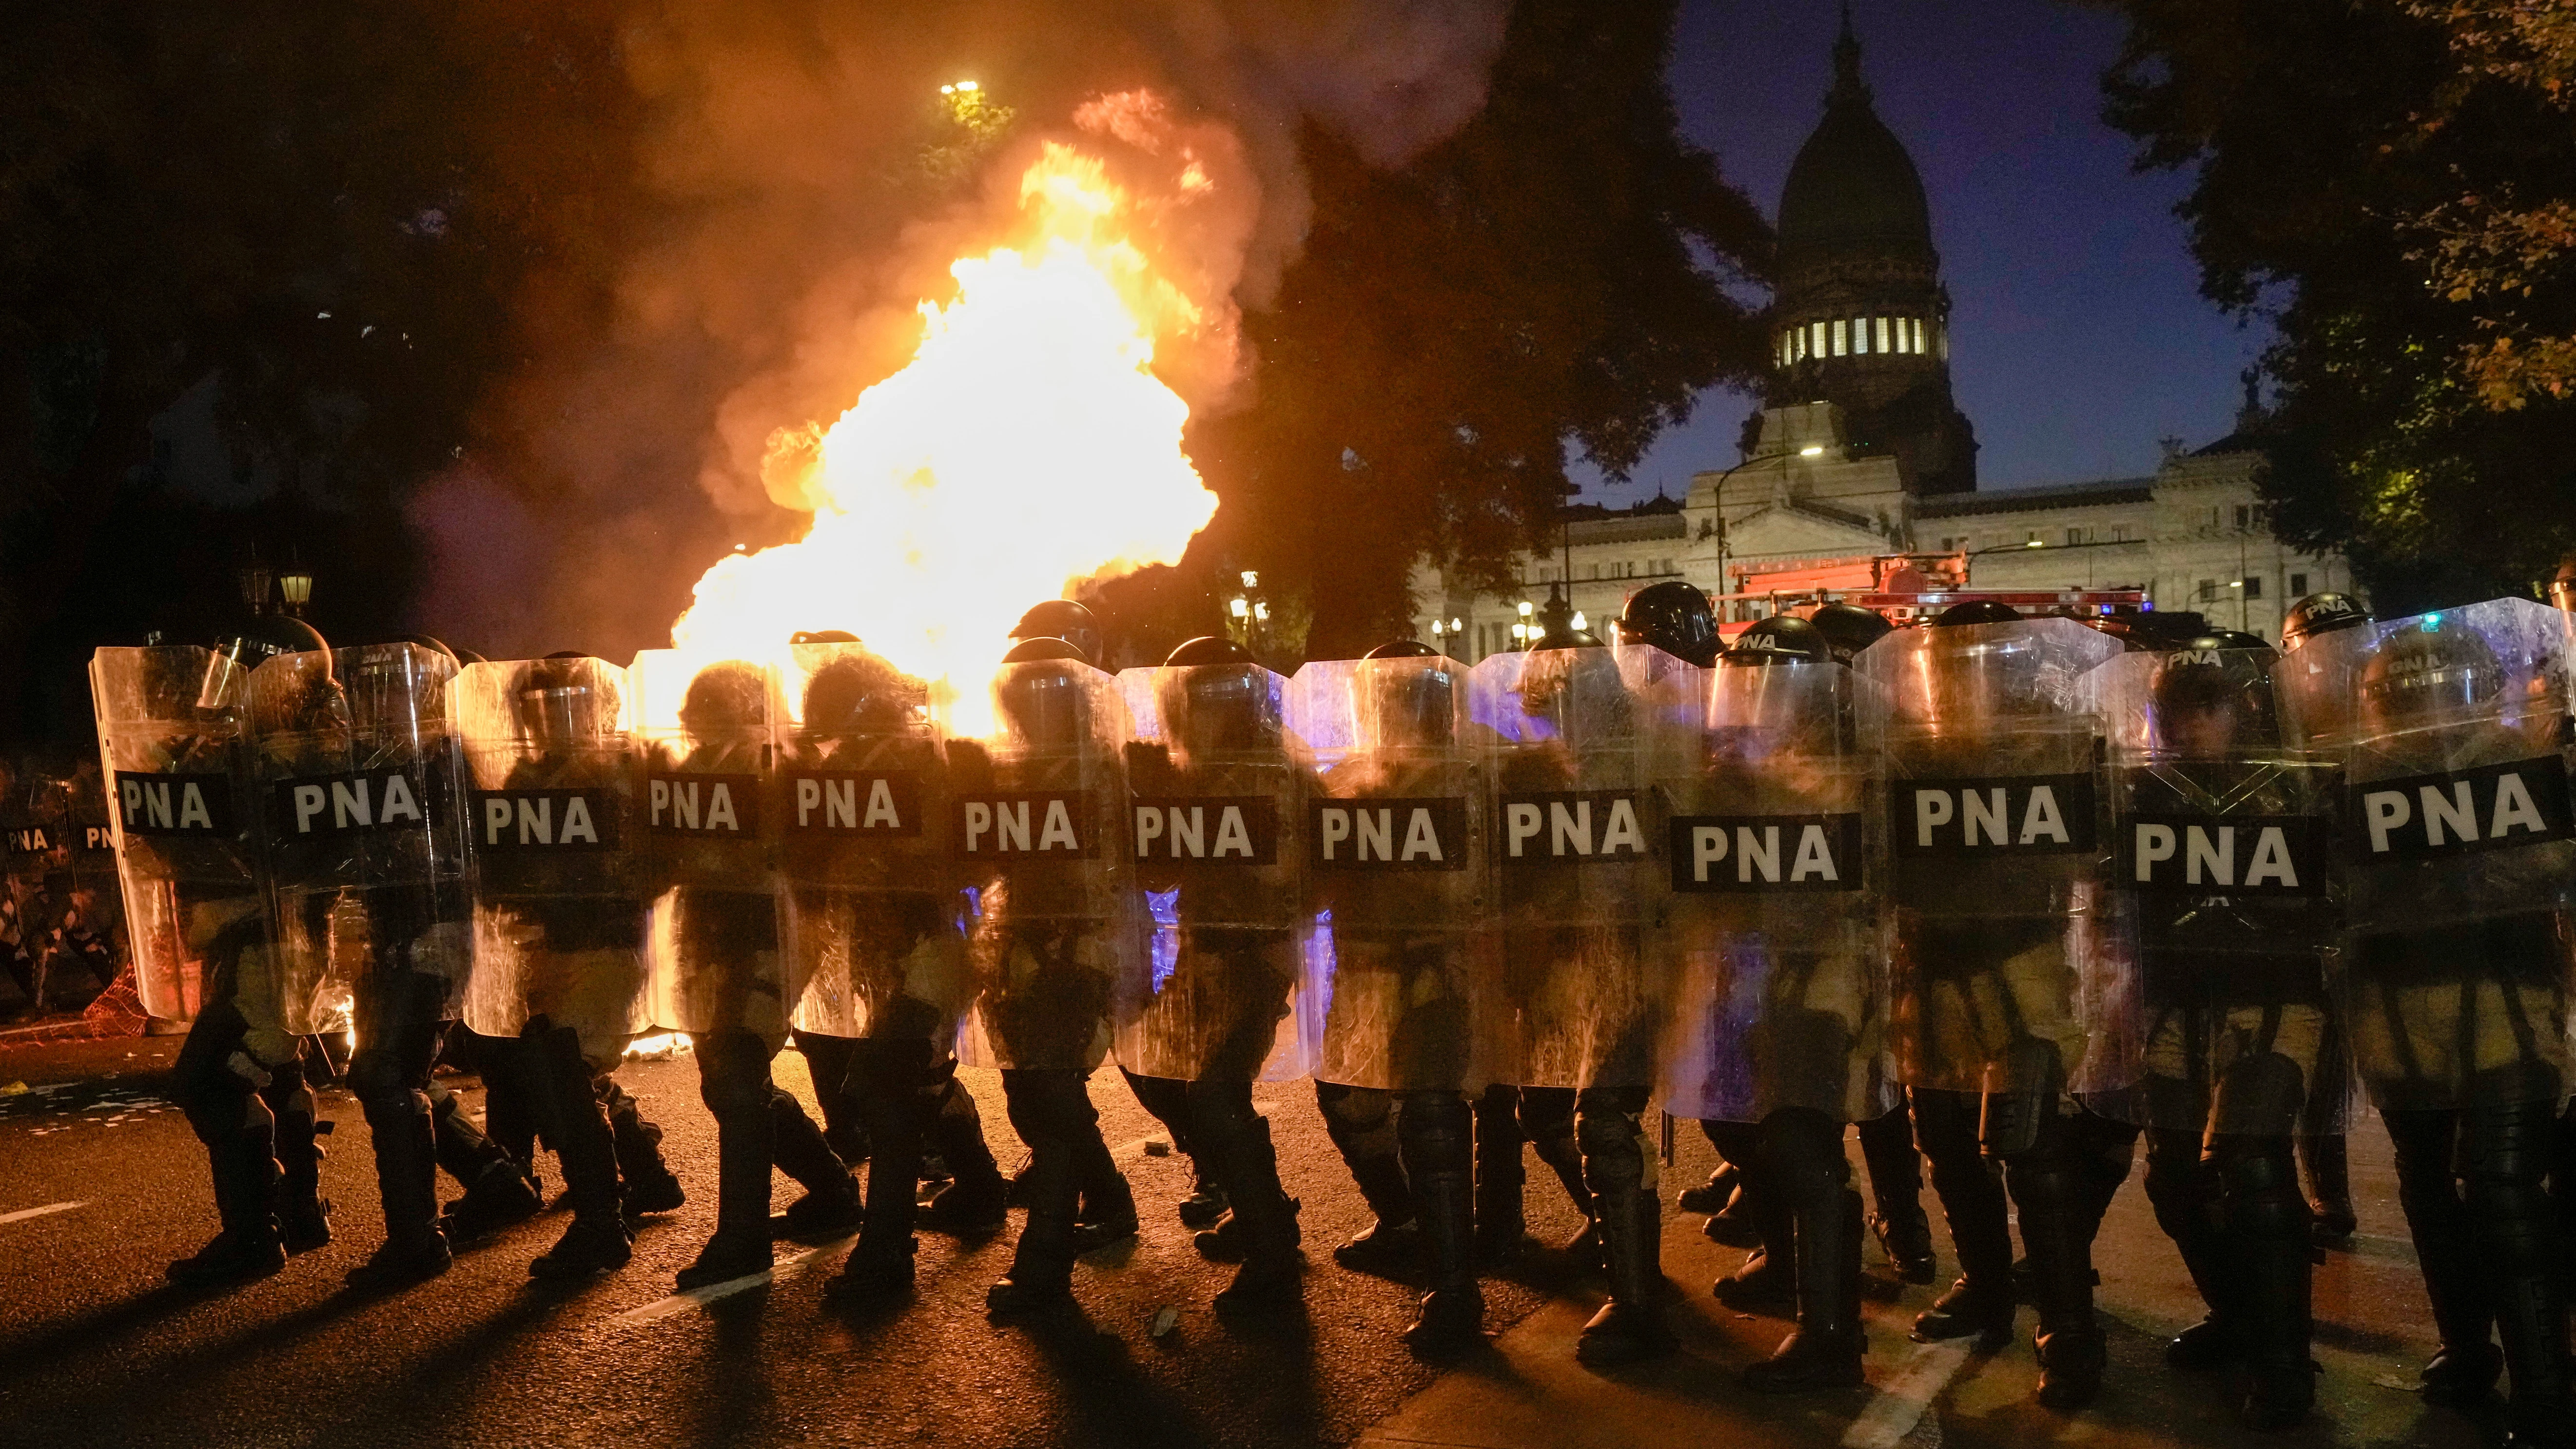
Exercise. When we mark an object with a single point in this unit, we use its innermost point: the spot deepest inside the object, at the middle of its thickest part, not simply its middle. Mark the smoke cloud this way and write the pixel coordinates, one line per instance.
(799, 185)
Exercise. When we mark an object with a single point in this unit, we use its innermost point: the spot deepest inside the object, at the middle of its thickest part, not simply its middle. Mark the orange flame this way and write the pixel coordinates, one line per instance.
(1027, 446)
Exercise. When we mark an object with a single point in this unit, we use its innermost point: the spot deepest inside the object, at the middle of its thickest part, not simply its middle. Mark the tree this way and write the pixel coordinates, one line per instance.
(2387, 182)
(1556, 274)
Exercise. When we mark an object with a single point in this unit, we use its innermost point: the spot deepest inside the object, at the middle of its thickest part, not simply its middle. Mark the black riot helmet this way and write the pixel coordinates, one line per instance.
(1215, 696)
(2320, 614)
(1043, 695)
(430, 643)
(1062, 619)
(561, 702)
(1780, 639)
(1407, 697)
(2423, 673)
(859, 693)
(1977, 611)
(1674, 617)
(727, 703)
(2213, 696)
(1573, 681)
(390, 689)
(244, 646)
(1849, 628)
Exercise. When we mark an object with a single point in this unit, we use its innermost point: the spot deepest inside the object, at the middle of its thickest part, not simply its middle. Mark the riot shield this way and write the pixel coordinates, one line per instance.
(1579, 737)
(2204, 976)
(31, 845)
(76, 921)
(1040, 836)
(559, 909)
(185, 830)
(1994, 848)
(1780, 997)
(2457, 845)
(874, 930)
(362, 803)
(1402, 986)
(1217, 812)
(706, 843)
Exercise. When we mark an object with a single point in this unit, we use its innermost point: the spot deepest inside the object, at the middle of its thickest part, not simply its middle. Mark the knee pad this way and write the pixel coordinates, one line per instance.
(1802, 1155)
(733, 1082)
(2177, 1179)
(1436, 1123)
(1613, 1140)
(1221, 1110)
(1360, 1120)
(2261, 1185)
(2260, 1092)
(375, 1075)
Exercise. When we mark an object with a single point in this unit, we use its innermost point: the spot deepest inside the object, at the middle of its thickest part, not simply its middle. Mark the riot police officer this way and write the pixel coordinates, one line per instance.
(1407, 963)
(1577, 895)
(1041, 815)
(2218, 926)
(1992, 804)
(1780, 1013)
(173, 727)
(2453, 728)
(717, 970)
(1219, 833)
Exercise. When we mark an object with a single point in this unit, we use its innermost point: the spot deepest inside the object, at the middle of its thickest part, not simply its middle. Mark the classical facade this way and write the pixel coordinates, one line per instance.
(1860, 451)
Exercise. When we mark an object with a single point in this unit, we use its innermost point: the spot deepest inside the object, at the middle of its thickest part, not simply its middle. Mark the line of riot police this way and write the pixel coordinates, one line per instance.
(2046, 889)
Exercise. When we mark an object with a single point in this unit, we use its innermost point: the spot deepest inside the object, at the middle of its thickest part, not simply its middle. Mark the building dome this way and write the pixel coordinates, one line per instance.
(1853, 185)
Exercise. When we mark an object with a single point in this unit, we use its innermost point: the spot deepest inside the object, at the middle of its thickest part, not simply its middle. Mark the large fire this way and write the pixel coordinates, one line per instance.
(1026, 447)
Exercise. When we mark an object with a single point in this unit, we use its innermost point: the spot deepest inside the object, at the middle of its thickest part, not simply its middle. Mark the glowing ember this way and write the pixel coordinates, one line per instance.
(1026, 447)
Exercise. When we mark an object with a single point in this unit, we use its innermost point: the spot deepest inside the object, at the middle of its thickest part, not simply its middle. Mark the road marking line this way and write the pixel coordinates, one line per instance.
(1901, 1403)
(37, 1212)
(786, 1267)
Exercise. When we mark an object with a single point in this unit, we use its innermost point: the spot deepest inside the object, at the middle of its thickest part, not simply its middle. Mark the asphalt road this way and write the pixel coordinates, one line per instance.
(96, 1349)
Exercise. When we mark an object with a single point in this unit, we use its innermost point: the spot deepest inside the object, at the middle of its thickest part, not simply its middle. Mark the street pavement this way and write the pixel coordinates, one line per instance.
(101, 1184)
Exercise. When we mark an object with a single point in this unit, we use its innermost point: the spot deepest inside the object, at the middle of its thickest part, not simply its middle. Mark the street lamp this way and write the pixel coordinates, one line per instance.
(1248, 614)
(296, 588)
(1717, 497)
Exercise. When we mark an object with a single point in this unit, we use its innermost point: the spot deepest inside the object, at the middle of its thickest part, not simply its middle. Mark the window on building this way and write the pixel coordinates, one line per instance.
(2119, 533)
(2213, 516)
(2244, 517)
(1816, 339)
(2031, 539)
(1842, 337)
(1860, 334)
(1915, 326)
(1882, 334)
(2208, 591)
(2074, 535)
(2253, 586)
(2298, 586)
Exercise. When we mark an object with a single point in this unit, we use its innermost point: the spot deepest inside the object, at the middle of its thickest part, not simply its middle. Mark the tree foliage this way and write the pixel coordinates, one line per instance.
(2389, 183)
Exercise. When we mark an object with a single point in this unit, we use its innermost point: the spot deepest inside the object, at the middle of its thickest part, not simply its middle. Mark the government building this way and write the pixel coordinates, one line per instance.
(1860, 453)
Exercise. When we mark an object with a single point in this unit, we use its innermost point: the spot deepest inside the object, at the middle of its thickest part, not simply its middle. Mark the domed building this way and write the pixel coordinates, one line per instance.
(1862, 320)
(1860, 451)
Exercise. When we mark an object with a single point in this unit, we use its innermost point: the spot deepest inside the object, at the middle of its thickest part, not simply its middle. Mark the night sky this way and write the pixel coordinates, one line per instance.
(2080, 336)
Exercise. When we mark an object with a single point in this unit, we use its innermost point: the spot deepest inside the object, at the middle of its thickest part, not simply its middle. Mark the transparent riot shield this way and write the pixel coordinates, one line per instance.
(1402, 987)
(2457, 845)
(706, 843)
(1776, 927)
(362, 799)
(2205, 973)
(1217, 814)
(31, 851)
(184, 828)
(1040, 835)
(74, 919)
(1994, 849)
(874, 930)
(1579, 738)
(559, 909)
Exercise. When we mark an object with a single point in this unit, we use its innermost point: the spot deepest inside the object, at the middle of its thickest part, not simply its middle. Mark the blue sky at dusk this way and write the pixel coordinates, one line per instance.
(2079, 334)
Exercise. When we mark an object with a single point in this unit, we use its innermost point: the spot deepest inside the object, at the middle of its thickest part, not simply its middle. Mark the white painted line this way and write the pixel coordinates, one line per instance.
(787, 1267)
(37, 1212)
(1900, 1403)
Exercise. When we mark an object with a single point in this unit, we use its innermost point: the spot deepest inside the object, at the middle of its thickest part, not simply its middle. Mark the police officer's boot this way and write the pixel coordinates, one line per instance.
(1803, 1164)
(597, 1240)
(1361, 1122)
(1272, 1271)
(830, 1204)
(1439, 1159)
(2183, 1190)
(303, 1214)
(2507, 1158)
(1712, 1196)
(414, 1249)
(1629, 1328)
(2426, 1145)
(1980, 1305)
(1904, 1230)
(498, 1192)
(2329, 1174)
(2268, 1222)
(1502, 1225)
(1547, 1116)
(733, 1081)
(976, 1201)
(1108, 1212)
(1047, 1110)
(647, 1184)
(2054, 1226)
(1768, 1276)
(896, 1101)
(247, 1248)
